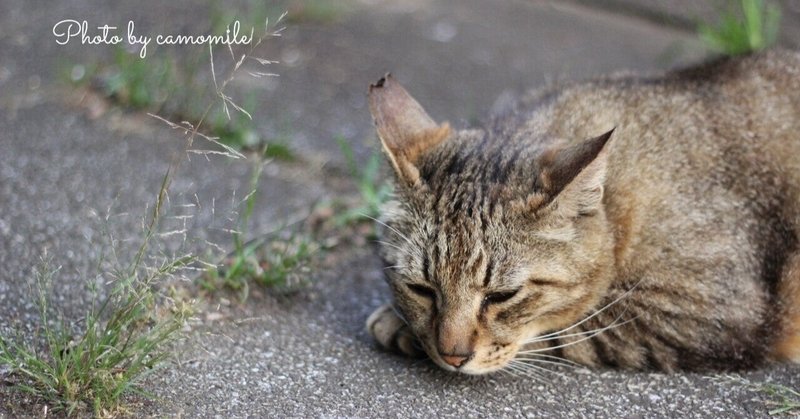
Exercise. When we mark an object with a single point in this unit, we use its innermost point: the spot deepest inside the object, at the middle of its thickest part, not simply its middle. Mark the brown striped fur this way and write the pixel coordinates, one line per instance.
(677, 196)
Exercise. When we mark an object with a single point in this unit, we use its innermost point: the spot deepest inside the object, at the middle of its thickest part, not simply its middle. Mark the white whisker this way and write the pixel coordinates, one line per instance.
(596, 332)
(522, 369)
(516, 368)
(400, 249)
(399, 314)
(588, 333)
(544, 361)
(540, 368)
(595, 314)
(389, 227)
(558, 358)
(507, 371)
(577, 334)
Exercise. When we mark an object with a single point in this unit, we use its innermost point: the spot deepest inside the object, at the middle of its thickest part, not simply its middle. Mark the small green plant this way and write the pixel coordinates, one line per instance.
(373, 191)
(122, 338)
(280, 263)
(139, 83)
(783, 398)
(238, 131)
(152, 84)
(284, 263)
(753, 27)
(160, 84)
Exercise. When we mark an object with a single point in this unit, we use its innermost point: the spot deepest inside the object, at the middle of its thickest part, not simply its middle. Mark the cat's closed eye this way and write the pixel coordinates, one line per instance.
(422, 290)
(499, 297)
(542, 282)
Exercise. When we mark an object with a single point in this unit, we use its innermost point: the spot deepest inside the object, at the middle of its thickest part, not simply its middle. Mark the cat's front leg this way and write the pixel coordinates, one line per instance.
(392, 333)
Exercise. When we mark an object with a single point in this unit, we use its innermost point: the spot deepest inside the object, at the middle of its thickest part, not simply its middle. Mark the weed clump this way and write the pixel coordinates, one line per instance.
(278, 261)
(752, 26)
(95, 361)
(373, 191)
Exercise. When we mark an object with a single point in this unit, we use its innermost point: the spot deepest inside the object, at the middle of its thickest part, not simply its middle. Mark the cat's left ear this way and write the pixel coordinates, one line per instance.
(405, 129)
(573, 176)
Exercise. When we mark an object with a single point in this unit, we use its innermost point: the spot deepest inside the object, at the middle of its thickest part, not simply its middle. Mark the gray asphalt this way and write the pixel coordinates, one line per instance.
(308, 355)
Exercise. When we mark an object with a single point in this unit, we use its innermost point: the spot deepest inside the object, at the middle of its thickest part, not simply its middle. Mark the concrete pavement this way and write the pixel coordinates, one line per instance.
(308, 355)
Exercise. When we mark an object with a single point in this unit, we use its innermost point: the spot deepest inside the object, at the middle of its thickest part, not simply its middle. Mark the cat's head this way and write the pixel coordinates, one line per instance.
(492, 240)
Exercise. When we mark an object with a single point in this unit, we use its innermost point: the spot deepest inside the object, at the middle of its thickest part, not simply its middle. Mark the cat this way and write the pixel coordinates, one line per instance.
(630, 222)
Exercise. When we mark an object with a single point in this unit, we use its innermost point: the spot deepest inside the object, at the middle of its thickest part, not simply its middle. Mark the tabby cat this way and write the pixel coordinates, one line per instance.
(640, 223)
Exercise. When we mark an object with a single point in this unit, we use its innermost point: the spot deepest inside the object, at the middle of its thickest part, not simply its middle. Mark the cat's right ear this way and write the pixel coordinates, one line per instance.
(405, 129)
(573, 176)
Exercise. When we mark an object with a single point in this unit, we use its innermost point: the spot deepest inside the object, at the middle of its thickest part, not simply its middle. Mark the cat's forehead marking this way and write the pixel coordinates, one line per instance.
(472, 172)
(452, 252)
(487, 277)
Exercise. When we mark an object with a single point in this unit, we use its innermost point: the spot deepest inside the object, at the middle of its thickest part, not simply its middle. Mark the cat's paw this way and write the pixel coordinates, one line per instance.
(392, 333)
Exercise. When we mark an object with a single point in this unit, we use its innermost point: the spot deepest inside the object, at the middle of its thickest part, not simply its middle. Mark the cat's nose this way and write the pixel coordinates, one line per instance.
(456, 360)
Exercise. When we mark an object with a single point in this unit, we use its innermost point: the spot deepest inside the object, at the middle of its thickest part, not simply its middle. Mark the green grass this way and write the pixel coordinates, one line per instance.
(239, 131)
(92, 363)
(748, 26)
(240, 265)
(780, 399)
(783, 399)
(158, 84)
(96, 361)
(236, 129)
(373, 191)
(280, 263)
(285, 265)
(140, 83)
(173, 86)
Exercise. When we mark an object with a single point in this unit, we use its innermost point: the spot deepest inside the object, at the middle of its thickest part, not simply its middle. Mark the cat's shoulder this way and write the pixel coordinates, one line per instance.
(778, 62)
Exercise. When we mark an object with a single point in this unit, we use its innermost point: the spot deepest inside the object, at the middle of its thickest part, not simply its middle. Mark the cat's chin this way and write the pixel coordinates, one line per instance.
(486, 361)
(482, 371)
(470, 370)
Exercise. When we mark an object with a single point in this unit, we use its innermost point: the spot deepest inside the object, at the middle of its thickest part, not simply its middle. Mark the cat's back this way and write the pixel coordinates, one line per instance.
(700, 126)
(705, 153)
(755, 94)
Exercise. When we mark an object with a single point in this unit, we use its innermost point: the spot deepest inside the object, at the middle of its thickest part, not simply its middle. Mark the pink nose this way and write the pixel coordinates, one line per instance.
(455, 360)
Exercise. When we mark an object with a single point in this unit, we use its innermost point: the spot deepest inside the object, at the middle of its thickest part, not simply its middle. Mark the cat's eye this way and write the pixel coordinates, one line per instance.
(422, 290)
(499, 297)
